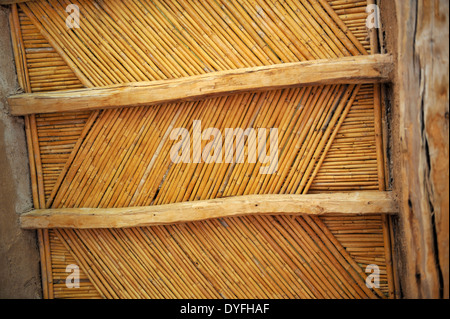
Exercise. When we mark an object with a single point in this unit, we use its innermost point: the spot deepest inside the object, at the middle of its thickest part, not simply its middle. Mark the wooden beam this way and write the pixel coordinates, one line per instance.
(348, 70)
(315, 204)
(421, 169)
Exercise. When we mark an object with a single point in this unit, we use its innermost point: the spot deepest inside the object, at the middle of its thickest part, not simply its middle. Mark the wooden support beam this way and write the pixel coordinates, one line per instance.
(421, 169)
(348, 70)
(315, 204)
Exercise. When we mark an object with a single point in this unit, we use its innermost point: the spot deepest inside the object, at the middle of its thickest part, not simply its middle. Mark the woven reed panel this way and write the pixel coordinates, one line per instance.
(61, 259)
(47, 71)
(351, 161)
(121, 156)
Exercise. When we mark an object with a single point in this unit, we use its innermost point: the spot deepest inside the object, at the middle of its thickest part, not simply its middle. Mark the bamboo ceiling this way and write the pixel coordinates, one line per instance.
(120, 157)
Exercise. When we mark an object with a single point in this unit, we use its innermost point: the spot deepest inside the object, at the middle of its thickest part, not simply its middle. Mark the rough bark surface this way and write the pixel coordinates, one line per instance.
(422, 83)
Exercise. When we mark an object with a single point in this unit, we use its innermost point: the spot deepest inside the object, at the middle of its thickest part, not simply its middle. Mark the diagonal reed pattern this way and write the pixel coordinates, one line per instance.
(121, 157)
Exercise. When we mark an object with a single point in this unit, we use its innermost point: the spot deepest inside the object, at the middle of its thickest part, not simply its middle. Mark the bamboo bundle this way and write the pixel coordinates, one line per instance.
(58, 135)
(120, 157)
(45, 69)
(240, 260)
(353, 14)
(365, 231)
(167, 183)
(353, 147)
(193, 32)
(61, 258)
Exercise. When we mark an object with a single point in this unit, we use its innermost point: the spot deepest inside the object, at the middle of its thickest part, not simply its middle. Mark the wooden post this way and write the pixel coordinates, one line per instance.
(422, 142)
